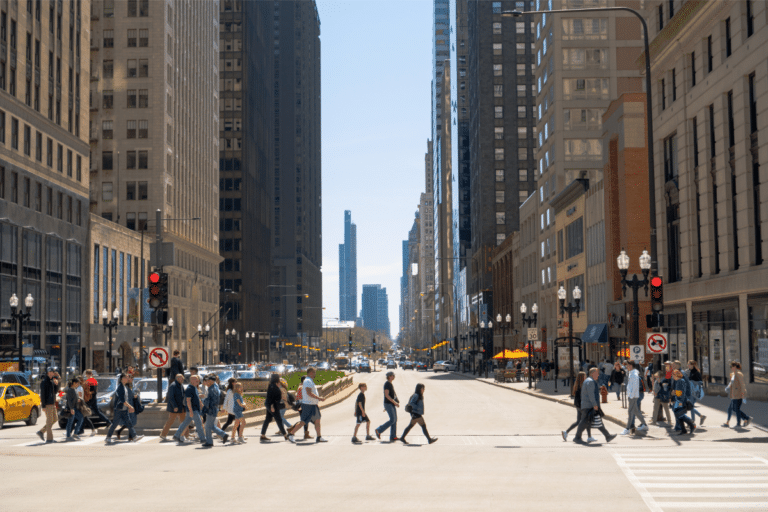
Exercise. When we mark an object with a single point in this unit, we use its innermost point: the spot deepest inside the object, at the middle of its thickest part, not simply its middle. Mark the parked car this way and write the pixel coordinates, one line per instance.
(18, 403)
(382, 361)
(406, 365)
(148, 389)
(391, 365)
(14, 378)
(421, 366)
(365, 366)
(323, 365)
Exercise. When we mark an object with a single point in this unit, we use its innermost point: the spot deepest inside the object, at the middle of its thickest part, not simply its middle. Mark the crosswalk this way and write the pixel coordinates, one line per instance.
(684, 478)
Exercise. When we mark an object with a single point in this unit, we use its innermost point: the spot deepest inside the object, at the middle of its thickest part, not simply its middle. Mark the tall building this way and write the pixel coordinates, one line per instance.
(502, 96)
(375, 311)
(296, 281)
(461, 143)
(710, 124)
(154, 77)
(43, 175)
(426, 312)
(348, 271)
(404, 314)
(442, 178)
(246, 134)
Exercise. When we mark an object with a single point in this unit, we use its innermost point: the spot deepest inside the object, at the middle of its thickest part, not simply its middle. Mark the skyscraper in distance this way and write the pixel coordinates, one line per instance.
(375, 308)
(348, 271)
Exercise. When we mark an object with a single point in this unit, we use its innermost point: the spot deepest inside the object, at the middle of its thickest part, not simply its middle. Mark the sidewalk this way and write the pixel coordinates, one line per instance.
(713, 407)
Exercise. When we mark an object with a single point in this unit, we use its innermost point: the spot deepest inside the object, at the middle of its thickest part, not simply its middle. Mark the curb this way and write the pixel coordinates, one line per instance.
(606, 416)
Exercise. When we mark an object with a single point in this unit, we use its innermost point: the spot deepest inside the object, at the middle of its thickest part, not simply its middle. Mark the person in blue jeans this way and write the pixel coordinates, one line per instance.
(76, 418)
(193, 411)
(123, 400)
(211, 409)
(391, 403)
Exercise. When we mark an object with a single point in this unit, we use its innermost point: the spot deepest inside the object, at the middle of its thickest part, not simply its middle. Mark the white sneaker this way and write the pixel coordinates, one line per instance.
(624, 432)
(321, 440)
(292, 439)
(591, 440)
(241, 439)
(565, 435)
(643, 428)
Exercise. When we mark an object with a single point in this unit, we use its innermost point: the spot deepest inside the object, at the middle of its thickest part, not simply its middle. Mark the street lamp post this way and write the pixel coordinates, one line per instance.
(570, 309)
(21, 318)
(645, 265)
(167, 332)
(203, 334)
(485, 330)
(529, 321)
(504, 328)
(648, 104)
(108, 326)
(229, 339)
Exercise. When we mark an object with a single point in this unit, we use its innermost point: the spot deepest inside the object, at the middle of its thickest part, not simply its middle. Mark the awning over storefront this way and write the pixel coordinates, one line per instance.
(595, 333)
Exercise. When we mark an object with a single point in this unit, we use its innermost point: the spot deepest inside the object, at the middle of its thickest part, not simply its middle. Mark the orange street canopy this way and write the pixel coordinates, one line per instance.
(509, 354)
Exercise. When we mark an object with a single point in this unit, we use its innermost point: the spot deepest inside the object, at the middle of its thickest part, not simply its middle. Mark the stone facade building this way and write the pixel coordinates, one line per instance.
(44, 176)
(710, 96)
(154, 125)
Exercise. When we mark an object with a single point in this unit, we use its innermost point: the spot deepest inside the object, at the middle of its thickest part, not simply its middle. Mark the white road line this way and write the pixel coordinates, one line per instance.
(647, 498)
(699, 495)
(683, 465)
(707, 485)
(744, 458)
(760, 505)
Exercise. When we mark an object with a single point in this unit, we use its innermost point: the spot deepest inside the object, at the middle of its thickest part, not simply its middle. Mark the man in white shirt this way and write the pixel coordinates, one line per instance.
(310, 412)
(633, 395)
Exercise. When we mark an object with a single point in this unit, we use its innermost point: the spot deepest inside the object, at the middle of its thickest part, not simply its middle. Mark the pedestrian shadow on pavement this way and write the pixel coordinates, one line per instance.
(743, 440)
(446, 376)
(506, 447)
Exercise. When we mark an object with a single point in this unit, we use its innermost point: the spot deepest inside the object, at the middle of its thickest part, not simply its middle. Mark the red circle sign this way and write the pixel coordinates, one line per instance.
(158, 357)
(657, 343)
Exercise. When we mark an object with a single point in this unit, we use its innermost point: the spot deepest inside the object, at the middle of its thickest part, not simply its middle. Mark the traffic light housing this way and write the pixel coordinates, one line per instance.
(163, 283)
(657, 294)
(350, 342)
(154, 290)
(374, 346)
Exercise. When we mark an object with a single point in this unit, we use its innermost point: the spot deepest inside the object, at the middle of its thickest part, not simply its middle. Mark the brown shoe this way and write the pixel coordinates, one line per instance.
(307, 435)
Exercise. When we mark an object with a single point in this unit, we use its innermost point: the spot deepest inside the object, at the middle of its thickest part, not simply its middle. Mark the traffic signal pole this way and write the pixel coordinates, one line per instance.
(155, 325)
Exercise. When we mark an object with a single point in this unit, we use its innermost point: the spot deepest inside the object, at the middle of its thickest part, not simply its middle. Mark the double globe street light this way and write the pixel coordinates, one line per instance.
(110, 324)
(570, 309)
(203, 335)
(504, 328)
(486, 328)
(645, 265)
(21, 318)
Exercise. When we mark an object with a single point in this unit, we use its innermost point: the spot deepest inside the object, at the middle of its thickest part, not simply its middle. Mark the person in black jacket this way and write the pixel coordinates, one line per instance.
(176, 409)
(617, 378)
(177, 367)
(273, 405)
(48, 386)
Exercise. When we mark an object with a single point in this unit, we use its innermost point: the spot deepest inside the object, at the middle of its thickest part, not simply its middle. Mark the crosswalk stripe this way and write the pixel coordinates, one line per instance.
(707, 485)
(745, 458)
(699, 495)
(722, 505)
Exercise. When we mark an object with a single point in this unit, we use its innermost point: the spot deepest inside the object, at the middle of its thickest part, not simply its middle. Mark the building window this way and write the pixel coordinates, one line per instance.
(670, 158)
(693, 69)
(497, 70)
(143, 98)
(671, 9)
(574, 238)
(660, 19)
(106, 129)
(674, 85)
(143, 160)
(500, 196)
(499, 175)
(132, 39)
(497, 28)
(498, 91)
(14, 133)
(143, 191)
(39, 146)
(522, 175)
(143, 37)
(132, 8)
(497, 48)
(131, 101)
(142, 221)
(498, 132)
(106, 160)
(109, 39)
(108, 69)
(728, 37)
(130, 159)
(498, 112)
(130, 220)
(27, 140)
(143, 68)
(501, 218)
(500, 237)
(107, 99)
(132, 70)
(498, 153)
(130, 129)
(663, 91)
(143, 128)
(496, 6)
(130, 190)
(710, 56)
(143, 8)
(106, 191)
(50, 153)
(522, 195)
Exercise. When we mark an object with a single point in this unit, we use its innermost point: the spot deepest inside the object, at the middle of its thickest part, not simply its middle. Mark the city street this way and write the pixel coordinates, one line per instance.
(497, 448)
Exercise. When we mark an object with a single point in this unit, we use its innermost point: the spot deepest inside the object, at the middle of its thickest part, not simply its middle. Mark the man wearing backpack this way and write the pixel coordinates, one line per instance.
(677, 365)
(633, 395)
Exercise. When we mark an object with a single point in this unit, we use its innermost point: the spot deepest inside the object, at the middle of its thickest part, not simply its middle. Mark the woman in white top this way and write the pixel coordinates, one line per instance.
(229, 403)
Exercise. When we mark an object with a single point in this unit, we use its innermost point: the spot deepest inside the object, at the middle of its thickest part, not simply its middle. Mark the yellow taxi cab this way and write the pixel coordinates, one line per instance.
(18, 403)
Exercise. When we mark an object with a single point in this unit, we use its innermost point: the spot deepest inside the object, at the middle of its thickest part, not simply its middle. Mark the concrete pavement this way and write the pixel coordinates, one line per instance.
(497, 449)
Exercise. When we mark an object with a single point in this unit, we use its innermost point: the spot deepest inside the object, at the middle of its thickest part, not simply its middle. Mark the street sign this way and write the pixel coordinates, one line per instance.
(637, 353)
(159, 357)
(28, 351)
(533, 334)
(656, 342)
(537, 345)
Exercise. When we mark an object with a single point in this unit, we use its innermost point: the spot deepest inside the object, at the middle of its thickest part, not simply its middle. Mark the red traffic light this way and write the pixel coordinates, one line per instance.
(154, 278)
(656, 281)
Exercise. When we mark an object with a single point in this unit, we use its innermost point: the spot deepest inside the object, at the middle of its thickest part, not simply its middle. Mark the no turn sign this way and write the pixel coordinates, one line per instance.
(158, 357)
(656, 343)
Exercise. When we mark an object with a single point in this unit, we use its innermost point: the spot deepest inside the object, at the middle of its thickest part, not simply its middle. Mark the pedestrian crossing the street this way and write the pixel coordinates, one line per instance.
(697, 477)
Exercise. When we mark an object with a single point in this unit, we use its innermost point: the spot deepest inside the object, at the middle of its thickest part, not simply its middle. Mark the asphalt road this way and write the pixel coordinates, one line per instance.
(497, 449)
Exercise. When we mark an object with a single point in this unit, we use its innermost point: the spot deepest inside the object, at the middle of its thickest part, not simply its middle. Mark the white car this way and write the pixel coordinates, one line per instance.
(445, 366)
(148, 389)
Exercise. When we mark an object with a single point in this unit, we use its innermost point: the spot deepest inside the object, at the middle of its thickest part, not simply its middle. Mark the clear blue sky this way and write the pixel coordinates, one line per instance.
(376, 67)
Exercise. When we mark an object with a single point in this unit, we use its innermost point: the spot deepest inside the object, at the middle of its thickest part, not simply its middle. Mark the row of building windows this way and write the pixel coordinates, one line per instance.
(133, 160)
(34, 195)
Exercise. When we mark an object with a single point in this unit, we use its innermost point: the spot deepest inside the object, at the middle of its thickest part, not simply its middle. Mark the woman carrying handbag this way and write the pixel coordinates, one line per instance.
(416, 408)
(580, 378)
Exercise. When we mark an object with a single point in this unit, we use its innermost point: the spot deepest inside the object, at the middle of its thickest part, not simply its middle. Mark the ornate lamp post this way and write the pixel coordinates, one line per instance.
(529, 321)
(645, 265)
(570, 309)
(108, 326)
(203, 336)
(21, 319)
(504, 328)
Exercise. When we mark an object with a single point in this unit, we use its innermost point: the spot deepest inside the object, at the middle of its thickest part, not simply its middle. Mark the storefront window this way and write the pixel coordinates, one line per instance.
(677, 337)
(758, 343)
(716, 342)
